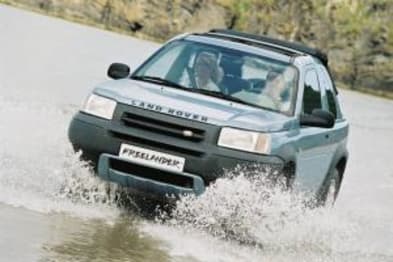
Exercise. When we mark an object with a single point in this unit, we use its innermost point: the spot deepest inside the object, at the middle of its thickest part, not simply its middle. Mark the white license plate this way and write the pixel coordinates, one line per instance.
(151, 158)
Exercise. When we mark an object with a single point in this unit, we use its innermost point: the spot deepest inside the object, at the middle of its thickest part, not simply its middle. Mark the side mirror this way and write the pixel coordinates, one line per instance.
(118, 71)
(318, 118)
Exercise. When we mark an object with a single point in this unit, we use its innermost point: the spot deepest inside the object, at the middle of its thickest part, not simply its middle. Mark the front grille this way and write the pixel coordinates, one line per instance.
(156, 145)
(163, 133)
(163, 127)
(151, 173)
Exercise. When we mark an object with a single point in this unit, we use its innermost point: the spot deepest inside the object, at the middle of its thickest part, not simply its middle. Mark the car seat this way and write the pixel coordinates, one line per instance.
(232, 70)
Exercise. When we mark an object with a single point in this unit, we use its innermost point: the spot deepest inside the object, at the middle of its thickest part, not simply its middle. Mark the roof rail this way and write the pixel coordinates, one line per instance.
(277, 43)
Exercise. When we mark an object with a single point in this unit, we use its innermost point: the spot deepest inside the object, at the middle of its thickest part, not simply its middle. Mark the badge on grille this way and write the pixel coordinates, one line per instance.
(188, 133)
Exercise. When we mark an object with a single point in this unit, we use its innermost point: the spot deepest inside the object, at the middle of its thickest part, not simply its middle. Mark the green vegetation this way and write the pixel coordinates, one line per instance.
(357, 35)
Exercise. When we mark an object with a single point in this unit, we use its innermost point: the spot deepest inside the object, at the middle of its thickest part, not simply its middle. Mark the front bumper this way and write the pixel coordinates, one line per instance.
(100, 143)
(138, 181)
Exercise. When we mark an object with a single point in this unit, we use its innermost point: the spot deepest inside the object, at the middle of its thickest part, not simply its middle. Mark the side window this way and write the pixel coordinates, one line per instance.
(312, 93)
(327, 83)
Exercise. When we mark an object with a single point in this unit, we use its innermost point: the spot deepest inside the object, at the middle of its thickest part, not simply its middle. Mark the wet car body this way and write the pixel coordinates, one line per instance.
(163, 139)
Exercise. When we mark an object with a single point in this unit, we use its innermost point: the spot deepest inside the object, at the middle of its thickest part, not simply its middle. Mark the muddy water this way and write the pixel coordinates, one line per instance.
(53, 209)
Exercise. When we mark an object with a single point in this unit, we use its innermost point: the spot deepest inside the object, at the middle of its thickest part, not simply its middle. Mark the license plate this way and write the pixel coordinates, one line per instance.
(151, 158)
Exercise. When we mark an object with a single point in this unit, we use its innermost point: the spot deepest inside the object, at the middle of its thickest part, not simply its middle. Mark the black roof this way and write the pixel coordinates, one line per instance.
(276, 43)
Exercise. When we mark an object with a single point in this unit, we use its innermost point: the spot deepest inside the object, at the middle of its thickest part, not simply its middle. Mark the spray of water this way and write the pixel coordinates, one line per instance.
(261, 216)
(38, 168)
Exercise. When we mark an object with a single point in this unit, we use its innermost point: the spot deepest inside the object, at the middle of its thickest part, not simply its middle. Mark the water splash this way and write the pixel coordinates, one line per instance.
(38, 168)
(263, 217)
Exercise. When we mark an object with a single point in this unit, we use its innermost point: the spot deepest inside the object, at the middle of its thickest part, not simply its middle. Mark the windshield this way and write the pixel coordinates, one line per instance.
(229, 74)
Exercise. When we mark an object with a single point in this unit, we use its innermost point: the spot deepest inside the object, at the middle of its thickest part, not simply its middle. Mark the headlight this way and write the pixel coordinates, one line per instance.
(99, 106)
(244, 140)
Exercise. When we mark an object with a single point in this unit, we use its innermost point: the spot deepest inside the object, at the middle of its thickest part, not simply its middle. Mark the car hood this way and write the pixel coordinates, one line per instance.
(193, 106)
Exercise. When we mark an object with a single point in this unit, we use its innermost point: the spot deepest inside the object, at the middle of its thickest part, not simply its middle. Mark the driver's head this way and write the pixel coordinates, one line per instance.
(275, 83)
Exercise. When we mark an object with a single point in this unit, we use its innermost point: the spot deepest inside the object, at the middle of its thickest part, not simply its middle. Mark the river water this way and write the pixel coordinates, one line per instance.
(53, 209)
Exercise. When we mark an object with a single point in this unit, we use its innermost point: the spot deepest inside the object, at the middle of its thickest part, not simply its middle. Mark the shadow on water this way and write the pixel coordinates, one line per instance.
(99, 240)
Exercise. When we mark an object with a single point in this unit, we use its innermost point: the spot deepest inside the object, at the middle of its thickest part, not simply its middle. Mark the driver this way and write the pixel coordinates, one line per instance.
(274, 86)
(278, 88)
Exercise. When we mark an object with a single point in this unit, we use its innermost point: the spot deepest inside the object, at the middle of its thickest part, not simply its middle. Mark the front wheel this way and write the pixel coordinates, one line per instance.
(330, 189)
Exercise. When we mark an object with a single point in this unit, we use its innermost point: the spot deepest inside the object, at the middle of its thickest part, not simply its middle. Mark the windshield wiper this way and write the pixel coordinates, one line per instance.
(228, 97)
(159, 80)
(221, 95)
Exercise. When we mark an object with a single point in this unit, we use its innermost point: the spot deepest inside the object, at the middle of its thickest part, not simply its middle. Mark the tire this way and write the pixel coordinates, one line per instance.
(289, 174)
(330, 189)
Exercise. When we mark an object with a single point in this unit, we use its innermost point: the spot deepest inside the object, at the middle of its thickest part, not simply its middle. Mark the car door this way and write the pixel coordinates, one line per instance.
(338, 134)
(314, 147)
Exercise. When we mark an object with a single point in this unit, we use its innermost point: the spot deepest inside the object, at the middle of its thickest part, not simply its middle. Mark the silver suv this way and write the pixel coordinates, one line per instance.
(206, 103)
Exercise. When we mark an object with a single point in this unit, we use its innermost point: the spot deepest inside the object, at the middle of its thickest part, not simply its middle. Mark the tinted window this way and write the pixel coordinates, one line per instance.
(327, 83)
(312, 93)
